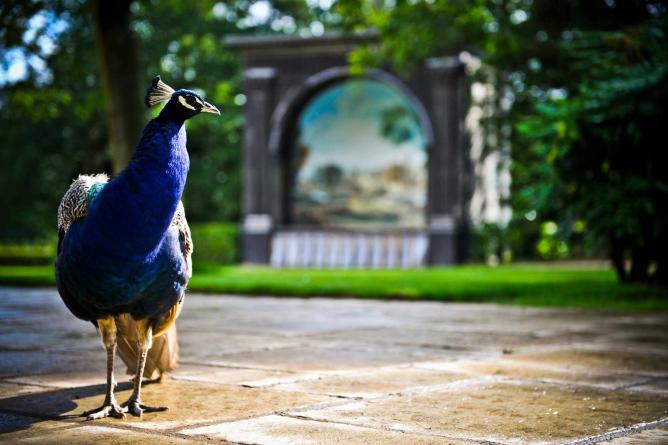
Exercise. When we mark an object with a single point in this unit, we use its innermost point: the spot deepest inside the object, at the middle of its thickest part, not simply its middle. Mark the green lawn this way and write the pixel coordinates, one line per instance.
(535, 285)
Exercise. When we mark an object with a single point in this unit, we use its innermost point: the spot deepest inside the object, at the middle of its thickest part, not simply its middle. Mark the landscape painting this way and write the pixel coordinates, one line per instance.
(359, 160)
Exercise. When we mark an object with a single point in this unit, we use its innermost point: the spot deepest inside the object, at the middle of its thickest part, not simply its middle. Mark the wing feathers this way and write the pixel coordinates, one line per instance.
(75, 202)
(179, 221)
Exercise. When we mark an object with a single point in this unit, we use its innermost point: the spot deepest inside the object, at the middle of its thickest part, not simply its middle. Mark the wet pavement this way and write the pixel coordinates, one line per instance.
(258, 370)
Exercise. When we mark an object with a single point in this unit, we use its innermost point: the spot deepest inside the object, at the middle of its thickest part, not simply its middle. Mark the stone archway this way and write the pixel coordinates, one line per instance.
(292, 104)
(296, 97)
(281, 76)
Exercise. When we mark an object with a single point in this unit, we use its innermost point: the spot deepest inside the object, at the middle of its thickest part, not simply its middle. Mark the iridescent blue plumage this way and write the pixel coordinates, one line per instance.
(124, 245)
(124, 256)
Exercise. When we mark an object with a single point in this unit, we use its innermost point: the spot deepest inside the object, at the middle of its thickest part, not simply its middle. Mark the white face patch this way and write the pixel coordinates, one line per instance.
(186, 104)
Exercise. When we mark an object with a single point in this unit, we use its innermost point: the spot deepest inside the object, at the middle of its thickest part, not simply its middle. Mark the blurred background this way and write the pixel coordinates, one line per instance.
(566, 109)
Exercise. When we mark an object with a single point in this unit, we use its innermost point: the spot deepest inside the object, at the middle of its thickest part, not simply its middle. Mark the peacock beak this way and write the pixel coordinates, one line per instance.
(208, 108)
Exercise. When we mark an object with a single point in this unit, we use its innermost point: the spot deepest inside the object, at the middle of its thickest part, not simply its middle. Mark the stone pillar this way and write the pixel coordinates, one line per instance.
(257, 191)
(446, 213)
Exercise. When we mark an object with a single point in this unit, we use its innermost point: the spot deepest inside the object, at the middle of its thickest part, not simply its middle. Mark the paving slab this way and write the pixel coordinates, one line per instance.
(544, 372)
(469, 341)
(18, 363)
(189, 403)
(273, 316)
(637, 361)
(370, 384)
(283, 430)
(72, 379)
(657, 436)
(501, 411)
(8, 389)
(656, 385)
(25, 424)
(87, 434)
(231, 376)
(328, 358)
(205, 345)
(290, 370)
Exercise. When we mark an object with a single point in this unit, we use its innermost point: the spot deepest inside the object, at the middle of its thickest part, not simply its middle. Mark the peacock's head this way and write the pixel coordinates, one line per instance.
(181, 104)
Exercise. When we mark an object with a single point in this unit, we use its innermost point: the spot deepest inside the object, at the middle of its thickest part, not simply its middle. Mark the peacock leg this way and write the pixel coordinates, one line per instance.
(110, 407)
(144, 342)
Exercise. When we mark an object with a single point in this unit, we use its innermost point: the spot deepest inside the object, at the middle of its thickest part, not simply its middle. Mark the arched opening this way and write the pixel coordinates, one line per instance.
(358, 159)
(301, 215)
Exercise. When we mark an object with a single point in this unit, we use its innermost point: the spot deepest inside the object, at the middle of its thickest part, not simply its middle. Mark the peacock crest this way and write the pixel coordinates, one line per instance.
(158, 92)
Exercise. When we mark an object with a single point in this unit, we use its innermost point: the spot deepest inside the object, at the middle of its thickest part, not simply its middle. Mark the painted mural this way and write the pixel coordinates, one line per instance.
(359, 160)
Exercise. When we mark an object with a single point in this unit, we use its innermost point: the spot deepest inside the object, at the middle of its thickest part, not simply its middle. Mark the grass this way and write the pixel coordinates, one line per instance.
(532, 285)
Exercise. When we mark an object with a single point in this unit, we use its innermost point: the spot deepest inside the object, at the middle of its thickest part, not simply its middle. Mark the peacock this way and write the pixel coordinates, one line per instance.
(124, 247)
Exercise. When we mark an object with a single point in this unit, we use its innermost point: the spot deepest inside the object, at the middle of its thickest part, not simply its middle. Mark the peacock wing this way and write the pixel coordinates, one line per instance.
(179, 221)
(77, 200)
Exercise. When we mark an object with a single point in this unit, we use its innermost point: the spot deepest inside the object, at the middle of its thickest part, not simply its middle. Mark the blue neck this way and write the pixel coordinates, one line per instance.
(129, 218)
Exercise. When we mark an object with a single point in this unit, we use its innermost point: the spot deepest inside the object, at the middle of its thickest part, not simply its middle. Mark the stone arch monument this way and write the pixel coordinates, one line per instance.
(310, 202)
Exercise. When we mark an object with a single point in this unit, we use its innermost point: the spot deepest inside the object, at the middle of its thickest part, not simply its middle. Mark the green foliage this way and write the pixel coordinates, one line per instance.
(412, 31)
(601, 143)
(579, 94)
(550, 247)
(51, 132)
(329, 175)
(491, 244)
(215, 243)
(61, 100)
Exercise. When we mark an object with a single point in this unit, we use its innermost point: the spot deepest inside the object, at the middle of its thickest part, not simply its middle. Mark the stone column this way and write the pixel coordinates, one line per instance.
(257, 192)
(446, 209)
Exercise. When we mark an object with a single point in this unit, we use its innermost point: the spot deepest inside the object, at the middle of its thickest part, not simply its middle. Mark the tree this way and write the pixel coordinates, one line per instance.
(604, 142)
(585, 79)
(52, 121)
(329, 176)
(71, 95)
(119, 71)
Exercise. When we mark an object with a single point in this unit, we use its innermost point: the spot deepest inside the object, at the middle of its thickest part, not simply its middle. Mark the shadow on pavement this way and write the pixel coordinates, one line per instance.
(27, 410)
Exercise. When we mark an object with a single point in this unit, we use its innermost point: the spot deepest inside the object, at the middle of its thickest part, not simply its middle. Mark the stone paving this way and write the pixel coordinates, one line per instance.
(341, 371)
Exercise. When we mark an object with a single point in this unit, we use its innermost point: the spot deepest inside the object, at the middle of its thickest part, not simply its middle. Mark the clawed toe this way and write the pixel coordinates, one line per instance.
(137, 408)
(108, 410)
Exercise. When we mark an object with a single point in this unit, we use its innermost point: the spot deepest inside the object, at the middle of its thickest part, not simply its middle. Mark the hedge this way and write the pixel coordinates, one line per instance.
(214, 243)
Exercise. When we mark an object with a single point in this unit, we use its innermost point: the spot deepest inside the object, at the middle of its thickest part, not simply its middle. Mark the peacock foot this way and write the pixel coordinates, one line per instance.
(109, 409)
(136, 408)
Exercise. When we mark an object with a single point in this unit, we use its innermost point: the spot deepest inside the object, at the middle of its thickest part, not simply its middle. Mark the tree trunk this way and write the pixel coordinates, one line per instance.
(118, 63)
(640, 264)
(661, 275)
(617, 258)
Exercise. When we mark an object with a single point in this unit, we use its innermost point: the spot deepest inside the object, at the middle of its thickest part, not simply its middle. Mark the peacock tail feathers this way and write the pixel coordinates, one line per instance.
(162, 357)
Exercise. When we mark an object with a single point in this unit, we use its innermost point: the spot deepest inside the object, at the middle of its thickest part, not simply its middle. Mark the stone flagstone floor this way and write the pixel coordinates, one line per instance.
(341, 371)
